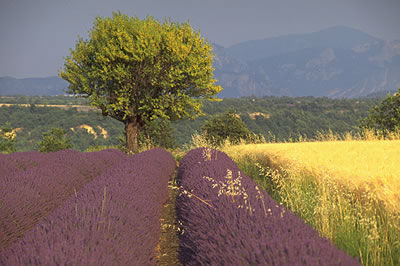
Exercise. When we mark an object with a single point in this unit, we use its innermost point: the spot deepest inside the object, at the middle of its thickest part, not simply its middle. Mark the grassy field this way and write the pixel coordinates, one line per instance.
(348, 190)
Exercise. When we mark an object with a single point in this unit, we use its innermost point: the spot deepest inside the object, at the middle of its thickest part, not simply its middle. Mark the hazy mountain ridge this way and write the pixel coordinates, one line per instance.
(335, 37)
(33, 86)
(336, 62)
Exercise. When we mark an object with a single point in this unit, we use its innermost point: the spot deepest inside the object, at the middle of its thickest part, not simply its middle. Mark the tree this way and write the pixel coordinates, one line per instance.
(7, 139)
(137, 71)
(385, 117)
(54, 140)
(227, 126)
(160, 133)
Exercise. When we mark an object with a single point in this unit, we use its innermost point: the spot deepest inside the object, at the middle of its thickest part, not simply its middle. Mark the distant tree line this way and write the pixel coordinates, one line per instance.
(284, 118)
(30, 123)
(275, 118)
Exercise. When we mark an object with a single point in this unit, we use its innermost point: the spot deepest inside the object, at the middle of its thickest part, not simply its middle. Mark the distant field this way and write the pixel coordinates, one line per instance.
(81, 108)
(363, 165)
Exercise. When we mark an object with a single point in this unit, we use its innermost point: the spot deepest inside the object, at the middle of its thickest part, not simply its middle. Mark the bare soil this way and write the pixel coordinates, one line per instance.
(168, 248)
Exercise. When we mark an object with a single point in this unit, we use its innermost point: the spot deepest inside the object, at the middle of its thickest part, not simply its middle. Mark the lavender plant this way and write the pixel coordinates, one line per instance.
(14, 162)
(113, 220)
(241, 224)
(35, 184)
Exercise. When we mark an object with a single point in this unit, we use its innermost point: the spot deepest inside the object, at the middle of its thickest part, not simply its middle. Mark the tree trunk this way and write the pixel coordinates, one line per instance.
(131, 131)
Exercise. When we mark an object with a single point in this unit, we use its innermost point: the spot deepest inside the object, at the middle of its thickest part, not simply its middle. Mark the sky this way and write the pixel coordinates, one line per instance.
(36, 35)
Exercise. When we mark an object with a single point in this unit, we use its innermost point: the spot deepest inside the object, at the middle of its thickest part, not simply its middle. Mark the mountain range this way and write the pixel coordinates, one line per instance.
(50, 86)
(337, 62)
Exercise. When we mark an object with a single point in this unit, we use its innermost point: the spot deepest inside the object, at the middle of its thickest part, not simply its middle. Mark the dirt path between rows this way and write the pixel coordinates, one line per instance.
(168, 248)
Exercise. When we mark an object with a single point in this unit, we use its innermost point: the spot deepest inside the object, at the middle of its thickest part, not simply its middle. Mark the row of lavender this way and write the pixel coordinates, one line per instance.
(33, 184)
(227, 220)
(112, 220)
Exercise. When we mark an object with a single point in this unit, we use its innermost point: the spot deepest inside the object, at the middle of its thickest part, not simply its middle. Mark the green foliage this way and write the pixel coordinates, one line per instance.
(137, 70)
(7, 139)
(287, 118)
(93, 148)
(225, 127)
(385, 117)
(33, 122)
(157, 133)
(54, 140)
(160, 134)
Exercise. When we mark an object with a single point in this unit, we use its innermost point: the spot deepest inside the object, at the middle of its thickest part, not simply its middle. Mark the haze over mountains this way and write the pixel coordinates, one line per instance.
(32, 86)
(336, 62)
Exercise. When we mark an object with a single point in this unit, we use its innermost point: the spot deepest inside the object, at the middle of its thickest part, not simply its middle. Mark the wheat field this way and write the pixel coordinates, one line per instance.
(348, 190)
(362, 165)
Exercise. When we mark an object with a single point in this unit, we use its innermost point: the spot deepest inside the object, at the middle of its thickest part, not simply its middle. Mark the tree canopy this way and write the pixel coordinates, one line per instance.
(7, 139)
(227, 126)
(137, 71)
(384, 117)
(54, 140)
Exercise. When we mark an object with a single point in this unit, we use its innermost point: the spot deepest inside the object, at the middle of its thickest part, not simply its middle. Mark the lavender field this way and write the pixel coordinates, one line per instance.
(71, 208)
(105, 208)
(228, 220)
(33, 184)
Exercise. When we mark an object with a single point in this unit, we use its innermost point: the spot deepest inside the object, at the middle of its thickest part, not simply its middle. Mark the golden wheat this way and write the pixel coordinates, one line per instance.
(362, 165)
(349, 191)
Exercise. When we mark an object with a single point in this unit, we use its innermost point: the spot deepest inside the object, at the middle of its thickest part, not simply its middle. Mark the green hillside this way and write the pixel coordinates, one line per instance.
(281, 118)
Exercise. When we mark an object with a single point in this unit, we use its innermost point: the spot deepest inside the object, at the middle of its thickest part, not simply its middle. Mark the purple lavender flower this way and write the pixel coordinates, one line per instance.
(112, 220)
(241, 224)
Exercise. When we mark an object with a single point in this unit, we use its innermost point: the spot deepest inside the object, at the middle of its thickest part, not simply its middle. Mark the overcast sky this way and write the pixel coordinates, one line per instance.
(35, 35)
